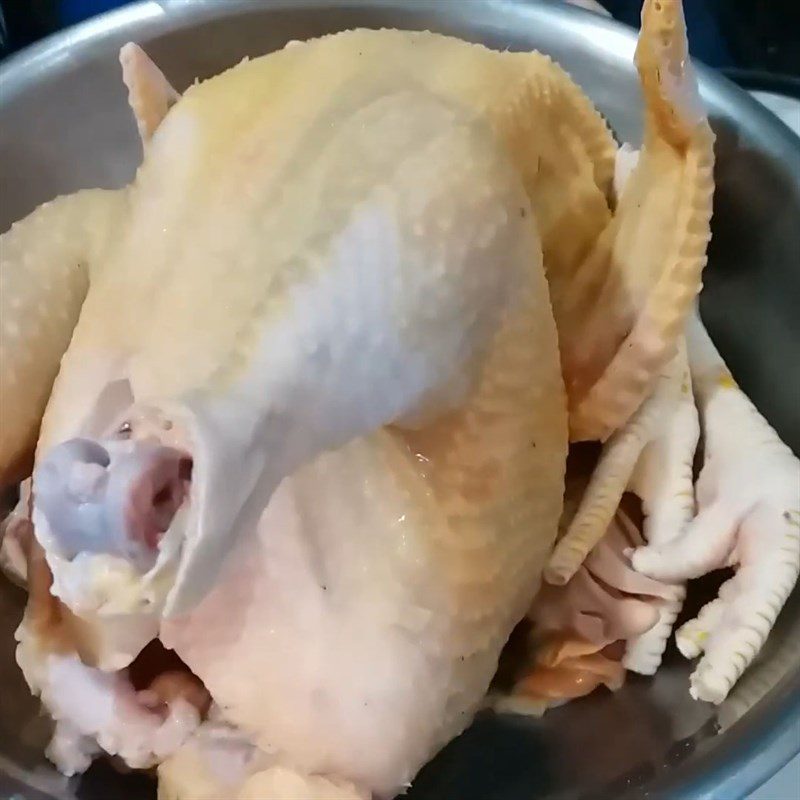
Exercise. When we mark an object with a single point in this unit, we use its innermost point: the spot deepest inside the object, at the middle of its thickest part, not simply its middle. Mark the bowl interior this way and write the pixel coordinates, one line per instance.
(65, 124)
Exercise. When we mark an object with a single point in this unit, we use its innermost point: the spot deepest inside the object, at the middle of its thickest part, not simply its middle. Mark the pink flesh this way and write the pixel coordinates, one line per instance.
(606, 601)
(156, 495)
(111, 496)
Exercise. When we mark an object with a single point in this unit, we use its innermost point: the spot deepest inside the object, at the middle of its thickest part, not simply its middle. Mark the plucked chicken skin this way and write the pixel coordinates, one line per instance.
(408, 352)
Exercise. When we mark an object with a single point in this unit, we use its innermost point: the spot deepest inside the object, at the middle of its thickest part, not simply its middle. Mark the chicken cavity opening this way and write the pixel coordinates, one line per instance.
(157, 674)
(159, 677)
(140, 713)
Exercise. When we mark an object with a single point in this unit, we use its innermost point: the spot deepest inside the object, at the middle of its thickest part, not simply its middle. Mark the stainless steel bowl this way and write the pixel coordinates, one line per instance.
(64, 124)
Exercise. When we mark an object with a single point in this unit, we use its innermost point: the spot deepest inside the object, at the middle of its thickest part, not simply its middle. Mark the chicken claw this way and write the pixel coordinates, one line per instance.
(651, 456)
(748, 495)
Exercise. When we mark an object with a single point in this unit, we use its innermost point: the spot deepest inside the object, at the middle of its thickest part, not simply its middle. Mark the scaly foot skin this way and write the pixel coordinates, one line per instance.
(663, 480)
(652, 456)
(748, 496)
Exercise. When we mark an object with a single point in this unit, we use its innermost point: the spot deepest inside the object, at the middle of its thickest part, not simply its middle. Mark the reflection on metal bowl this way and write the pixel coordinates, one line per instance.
(64, 124)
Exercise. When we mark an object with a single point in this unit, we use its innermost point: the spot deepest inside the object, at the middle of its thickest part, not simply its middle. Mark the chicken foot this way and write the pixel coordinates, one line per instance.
(748, 495)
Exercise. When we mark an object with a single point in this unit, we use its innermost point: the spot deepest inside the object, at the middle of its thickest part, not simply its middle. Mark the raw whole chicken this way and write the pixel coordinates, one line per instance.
(297, 402)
